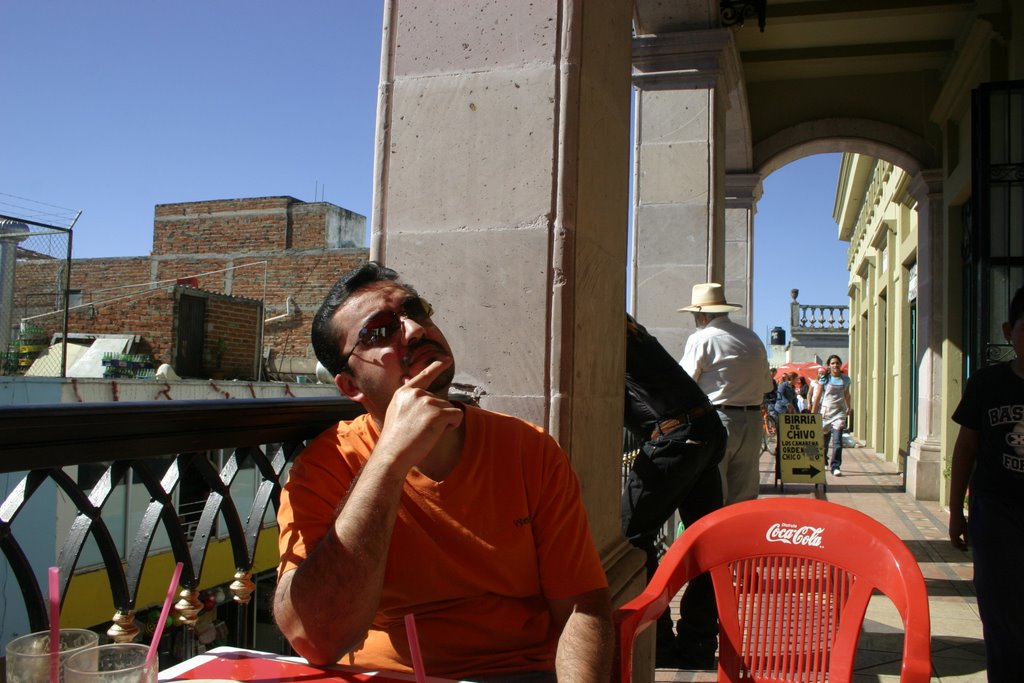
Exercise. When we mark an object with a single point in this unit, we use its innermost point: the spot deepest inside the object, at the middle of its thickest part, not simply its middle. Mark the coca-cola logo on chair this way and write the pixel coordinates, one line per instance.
(782, 532)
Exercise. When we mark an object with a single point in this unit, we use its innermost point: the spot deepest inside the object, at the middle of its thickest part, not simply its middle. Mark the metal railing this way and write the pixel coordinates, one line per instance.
(160, 445)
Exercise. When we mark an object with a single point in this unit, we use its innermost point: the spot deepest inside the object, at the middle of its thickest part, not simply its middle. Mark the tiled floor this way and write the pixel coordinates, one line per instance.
(875, 488)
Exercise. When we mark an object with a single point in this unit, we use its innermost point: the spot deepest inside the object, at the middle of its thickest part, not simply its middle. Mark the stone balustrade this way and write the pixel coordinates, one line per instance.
(820, 318)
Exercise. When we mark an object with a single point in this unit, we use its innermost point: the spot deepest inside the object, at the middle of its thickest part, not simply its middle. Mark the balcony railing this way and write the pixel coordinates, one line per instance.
(160, 446)
(819, 319)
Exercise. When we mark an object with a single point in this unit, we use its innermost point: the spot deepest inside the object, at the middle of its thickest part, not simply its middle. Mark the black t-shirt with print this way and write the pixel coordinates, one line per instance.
(993, 405)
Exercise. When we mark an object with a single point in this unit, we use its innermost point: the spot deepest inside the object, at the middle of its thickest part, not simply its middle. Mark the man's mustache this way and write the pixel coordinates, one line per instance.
(422, 342)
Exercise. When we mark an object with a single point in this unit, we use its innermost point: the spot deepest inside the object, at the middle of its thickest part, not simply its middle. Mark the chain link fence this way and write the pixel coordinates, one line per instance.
(35, 271)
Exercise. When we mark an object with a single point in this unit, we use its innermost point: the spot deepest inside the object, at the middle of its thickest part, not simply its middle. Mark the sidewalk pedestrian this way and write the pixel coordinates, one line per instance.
(833, 402)
(730, 364)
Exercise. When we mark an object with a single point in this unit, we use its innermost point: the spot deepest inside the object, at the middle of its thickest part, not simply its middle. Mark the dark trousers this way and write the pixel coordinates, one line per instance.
(996, 535)
(834, 437)
(677, 471)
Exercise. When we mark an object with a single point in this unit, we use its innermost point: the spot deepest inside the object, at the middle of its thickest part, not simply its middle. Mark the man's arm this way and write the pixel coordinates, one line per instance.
(586, 645)
(964, 452)
(326, 605)
(691, 359)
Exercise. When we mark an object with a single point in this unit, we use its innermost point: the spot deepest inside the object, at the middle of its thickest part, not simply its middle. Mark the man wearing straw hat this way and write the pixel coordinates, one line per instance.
(730, 365)
(470, 520)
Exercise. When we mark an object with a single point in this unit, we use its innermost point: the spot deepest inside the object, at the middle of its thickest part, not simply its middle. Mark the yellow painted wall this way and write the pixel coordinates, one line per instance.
(883, 245)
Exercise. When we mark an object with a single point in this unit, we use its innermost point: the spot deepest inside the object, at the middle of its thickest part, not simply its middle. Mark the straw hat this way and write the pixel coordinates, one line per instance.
(709, 297)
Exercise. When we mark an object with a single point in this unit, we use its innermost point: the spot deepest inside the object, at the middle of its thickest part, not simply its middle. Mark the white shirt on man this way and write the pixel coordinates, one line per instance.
(729, 363)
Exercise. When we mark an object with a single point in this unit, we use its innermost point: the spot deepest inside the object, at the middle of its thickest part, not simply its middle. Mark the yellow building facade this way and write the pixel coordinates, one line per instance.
(878, 216)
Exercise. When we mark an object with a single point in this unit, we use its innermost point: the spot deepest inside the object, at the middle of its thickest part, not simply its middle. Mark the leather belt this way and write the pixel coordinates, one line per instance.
(753, 407)
(686, 417)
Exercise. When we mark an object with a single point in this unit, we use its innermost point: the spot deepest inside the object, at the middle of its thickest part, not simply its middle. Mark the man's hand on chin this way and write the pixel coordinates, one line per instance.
(417, 417)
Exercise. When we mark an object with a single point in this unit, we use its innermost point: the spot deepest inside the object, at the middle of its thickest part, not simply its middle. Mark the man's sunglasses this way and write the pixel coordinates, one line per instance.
(380, 328)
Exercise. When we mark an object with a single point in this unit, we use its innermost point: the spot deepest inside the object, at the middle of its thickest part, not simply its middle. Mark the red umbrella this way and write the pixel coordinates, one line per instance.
(806, 369)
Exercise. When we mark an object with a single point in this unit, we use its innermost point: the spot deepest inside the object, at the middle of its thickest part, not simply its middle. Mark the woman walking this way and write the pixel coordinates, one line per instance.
(833, 402)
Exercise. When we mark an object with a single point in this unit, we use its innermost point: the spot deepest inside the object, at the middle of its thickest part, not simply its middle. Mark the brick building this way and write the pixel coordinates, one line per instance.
(257, 267)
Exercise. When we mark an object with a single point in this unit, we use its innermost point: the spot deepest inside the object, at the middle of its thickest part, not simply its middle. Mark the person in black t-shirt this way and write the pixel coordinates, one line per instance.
(989, 452)
(683, 441)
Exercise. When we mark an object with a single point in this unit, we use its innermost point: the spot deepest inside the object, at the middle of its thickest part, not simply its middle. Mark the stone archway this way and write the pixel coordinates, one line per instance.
(915, 157)
(871, 138)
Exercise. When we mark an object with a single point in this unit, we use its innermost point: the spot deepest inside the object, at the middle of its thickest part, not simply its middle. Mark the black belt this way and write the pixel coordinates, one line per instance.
(686, 417)
(754, 407)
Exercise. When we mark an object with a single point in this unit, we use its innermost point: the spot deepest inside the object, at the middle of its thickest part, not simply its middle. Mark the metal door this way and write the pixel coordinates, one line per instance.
(191, 336)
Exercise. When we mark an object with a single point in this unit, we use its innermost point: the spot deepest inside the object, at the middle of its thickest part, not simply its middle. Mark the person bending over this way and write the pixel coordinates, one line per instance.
(676, 470)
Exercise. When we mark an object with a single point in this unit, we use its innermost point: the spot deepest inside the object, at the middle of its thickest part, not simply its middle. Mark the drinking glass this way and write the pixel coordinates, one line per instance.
(28, 657)
(118, 663)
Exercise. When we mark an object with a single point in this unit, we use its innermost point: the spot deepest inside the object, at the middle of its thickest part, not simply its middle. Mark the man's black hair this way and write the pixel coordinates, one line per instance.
(326, 335)
(1017, 306)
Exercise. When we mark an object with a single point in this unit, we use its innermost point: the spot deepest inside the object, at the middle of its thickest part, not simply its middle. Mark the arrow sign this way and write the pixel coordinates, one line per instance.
(800, 459)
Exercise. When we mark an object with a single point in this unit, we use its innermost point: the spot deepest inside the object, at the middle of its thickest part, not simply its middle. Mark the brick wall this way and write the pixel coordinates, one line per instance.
(305, 278)
(233, 247)
(152, 316)
(315, 226)
(253, 225)
(36, 288)
(39, 283)
(233, 326)
(234, 225)
(149, 315)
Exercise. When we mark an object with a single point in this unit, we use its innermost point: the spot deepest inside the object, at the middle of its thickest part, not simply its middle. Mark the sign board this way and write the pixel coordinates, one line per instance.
(801, 457)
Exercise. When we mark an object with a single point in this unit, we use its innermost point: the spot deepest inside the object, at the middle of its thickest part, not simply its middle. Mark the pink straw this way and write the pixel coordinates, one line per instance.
(159, 631)
(414, 648)
(54, 625)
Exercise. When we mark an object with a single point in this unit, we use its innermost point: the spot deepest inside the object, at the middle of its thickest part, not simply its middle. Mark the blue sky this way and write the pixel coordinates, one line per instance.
(114, 106)
(796, 243)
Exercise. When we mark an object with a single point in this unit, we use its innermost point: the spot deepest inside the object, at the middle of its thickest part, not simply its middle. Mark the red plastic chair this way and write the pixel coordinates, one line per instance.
(792, 580)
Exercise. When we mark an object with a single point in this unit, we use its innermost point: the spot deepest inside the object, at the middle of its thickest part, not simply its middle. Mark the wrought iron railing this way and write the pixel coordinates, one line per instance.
(160, 446)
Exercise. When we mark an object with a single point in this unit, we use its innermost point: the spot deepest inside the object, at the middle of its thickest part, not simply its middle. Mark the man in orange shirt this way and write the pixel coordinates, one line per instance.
(469, 519)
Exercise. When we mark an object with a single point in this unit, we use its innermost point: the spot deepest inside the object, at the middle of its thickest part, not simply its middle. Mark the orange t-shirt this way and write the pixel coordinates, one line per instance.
(474, 557)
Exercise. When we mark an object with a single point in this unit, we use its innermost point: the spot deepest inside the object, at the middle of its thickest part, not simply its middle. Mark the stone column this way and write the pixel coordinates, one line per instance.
(501, 193)
(742, 192)
(924, 464)
(679, 199)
